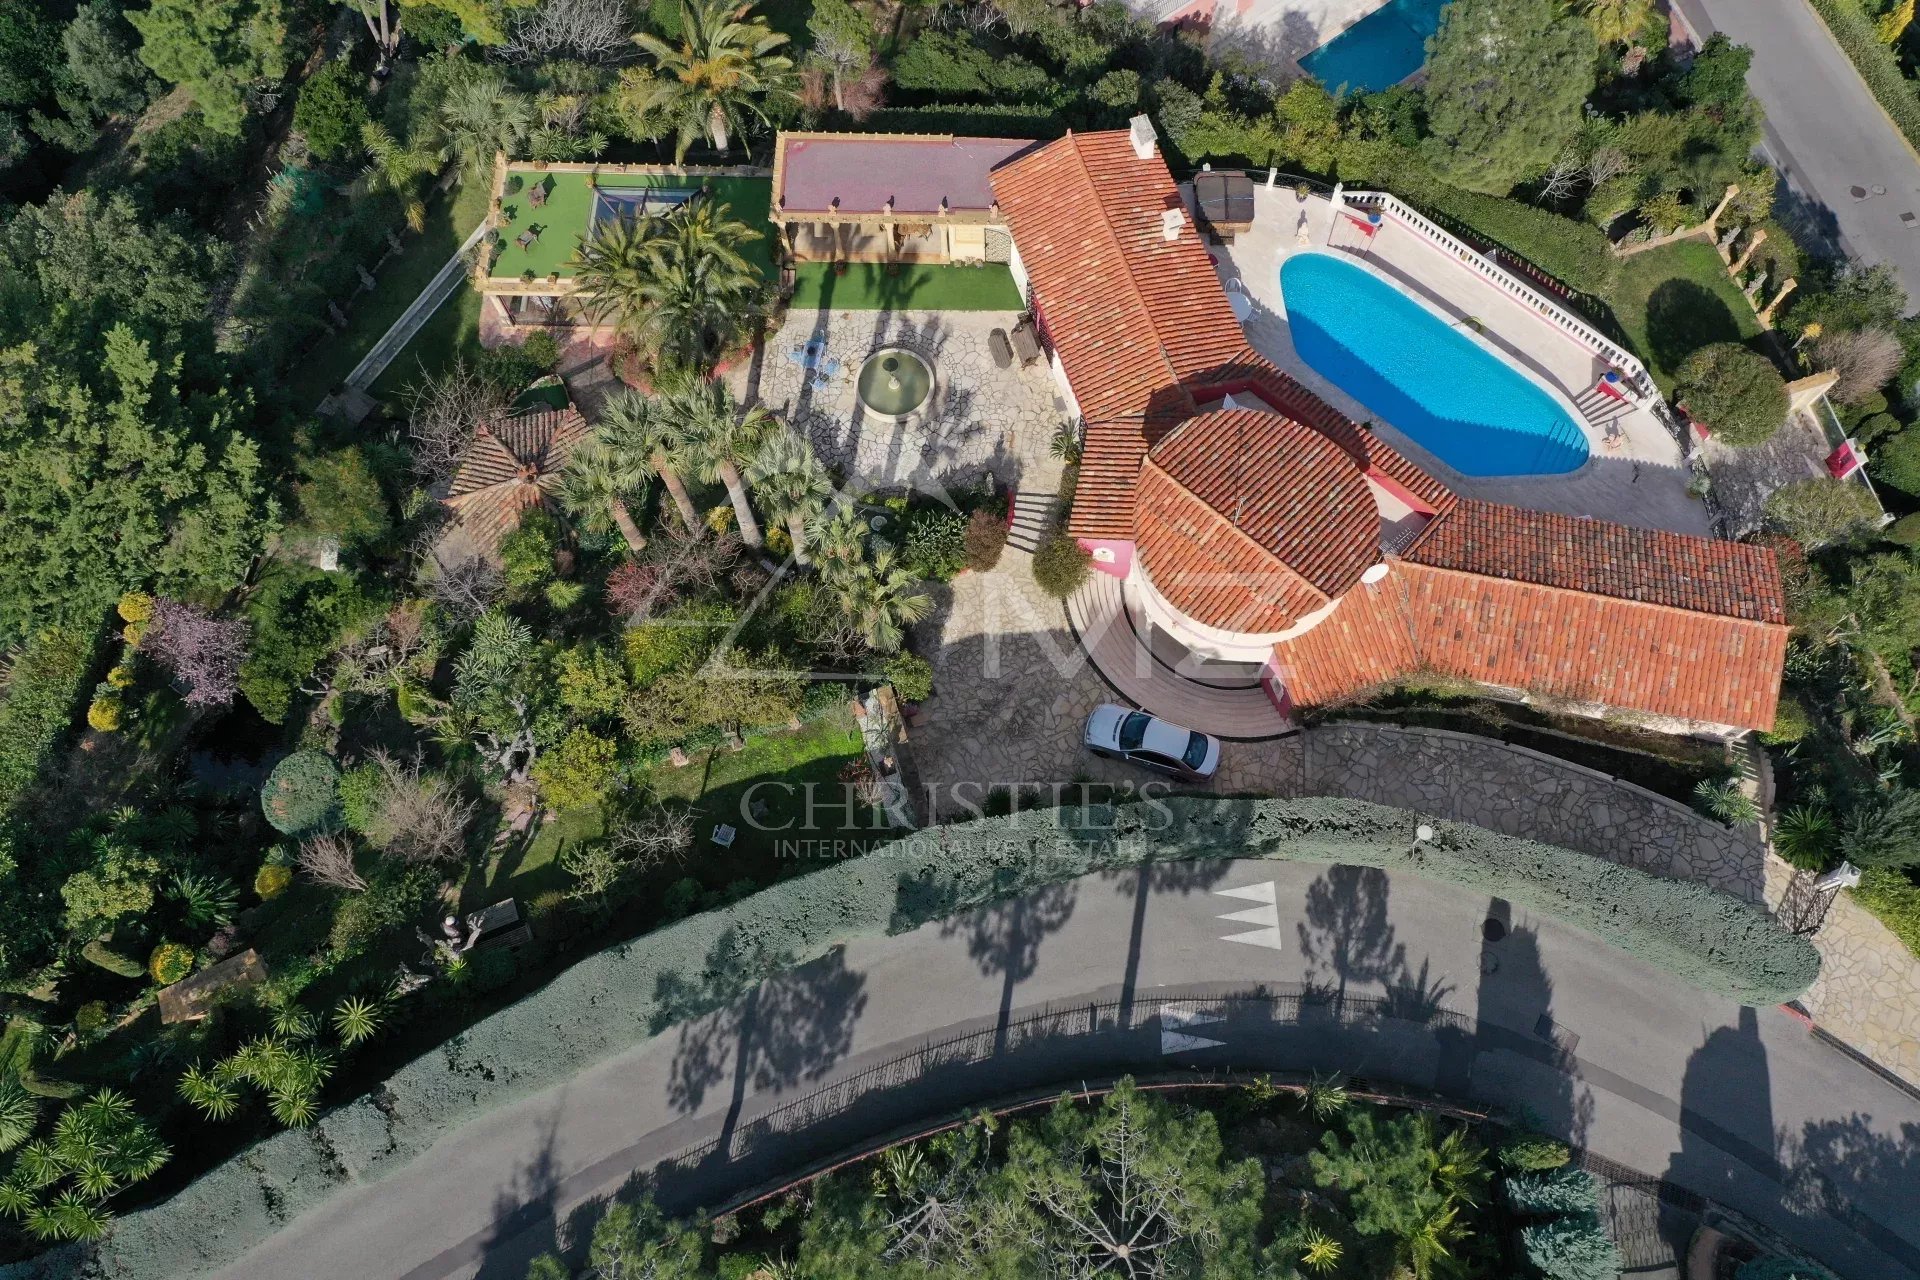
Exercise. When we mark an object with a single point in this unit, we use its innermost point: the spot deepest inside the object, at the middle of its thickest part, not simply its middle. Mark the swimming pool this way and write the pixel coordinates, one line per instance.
(1437, 385)
(1380, 50)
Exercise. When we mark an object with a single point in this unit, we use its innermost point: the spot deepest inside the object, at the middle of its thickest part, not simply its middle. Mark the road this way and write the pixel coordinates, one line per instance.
(1825, 134)
(1074, 982)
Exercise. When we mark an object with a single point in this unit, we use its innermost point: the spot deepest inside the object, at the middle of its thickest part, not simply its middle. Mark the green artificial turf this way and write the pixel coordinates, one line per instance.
(873, 286)
(563, 219)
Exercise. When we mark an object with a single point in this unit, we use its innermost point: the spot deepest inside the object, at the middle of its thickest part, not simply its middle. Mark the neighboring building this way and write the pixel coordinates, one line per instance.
(853, 197)
(514, 462)
(1253, 523)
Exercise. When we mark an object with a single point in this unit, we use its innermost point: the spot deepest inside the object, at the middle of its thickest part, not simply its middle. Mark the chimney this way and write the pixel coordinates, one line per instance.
(1145, 140)
(1171, 220)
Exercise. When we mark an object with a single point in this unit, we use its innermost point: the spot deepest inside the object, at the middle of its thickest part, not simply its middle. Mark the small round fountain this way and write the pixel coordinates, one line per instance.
(894, 384)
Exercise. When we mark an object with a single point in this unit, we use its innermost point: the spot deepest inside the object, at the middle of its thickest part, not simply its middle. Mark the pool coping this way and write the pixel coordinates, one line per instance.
(1442, 470)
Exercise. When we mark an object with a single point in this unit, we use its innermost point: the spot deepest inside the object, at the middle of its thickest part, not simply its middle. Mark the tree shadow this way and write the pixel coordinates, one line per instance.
(751, 1018)
(1858, 1172)
(1515, 1033)
(1682, 317)
(1148, 879)
(524, 1225)
(1347, 939)
(1005, 939)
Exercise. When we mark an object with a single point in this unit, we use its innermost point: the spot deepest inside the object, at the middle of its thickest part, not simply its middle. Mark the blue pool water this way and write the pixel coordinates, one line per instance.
(1450, 395)
(1380, 50)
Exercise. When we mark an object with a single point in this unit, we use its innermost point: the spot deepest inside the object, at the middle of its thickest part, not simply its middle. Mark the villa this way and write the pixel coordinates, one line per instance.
(1514, 512)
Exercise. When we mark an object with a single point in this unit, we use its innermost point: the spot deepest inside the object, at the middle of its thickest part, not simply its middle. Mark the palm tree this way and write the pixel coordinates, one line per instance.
(482, 116)
(881, 598)
(676, 286)
(839, 541)
(632, 425)
(595, 486)
(719, 439)
(724, 70)
(792, 485)
(397, 169)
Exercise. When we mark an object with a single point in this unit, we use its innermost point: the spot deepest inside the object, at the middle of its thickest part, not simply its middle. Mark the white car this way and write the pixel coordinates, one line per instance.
(1122, 733)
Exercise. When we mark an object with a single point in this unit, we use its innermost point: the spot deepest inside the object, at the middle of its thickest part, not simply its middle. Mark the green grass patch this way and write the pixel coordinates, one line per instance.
(1895, 900)
(1673, 300)
(450, 219)
(875, 286)
(565, 218)
(451, 333)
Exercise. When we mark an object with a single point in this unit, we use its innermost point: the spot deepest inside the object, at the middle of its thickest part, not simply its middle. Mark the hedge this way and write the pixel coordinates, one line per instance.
(617, 998)
(43, 696)
(1853, 32)
(995, 119)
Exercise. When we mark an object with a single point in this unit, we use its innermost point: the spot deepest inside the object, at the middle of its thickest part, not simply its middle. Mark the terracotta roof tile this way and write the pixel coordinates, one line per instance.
(513, 463)
(1555, 641)
(1295, 494)
(1705, 575)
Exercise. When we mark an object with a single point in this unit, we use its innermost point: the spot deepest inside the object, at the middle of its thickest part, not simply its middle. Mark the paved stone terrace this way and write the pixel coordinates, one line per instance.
(982, 418)
(1868, 991)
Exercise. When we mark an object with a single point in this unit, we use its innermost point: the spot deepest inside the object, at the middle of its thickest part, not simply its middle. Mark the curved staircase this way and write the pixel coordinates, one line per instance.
(1158, 675)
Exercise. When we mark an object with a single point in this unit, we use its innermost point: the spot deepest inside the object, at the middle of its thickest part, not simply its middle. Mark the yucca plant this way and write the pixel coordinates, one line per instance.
(356, 1019)
(1724, 800)
(1326, 1097)
(18, 1113)
(74, 1218)
(207, 900)
(209, 1092)
(293, 1022)
(1065, 445)
(16, 1198)
(292, 1108)
(38, 1164)
(1804, 835)
(1319, 1251)
(95, 1181)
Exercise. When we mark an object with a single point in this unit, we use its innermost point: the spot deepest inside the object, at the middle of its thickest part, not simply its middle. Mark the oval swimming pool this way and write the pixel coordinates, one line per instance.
(1430, 381)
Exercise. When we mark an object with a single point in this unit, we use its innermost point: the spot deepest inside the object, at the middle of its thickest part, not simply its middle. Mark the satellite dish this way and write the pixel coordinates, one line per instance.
(1375, 573)
(1240, 305)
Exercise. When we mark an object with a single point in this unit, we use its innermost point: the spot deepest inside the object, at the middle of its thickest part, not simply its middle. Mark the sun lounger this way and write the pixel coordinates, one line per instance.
(1000, 348)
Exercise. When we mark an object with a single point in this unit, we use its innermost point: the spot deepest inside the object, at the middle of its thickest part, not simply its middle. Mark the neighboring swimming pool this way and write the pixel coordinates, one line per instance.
(1438, 386)
(1380, 50)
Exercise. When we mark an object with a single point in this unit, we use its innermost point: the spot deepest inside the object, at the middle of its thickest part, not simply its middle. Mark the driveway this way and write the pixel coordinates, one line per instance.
(1825, 134)
(1157, 971)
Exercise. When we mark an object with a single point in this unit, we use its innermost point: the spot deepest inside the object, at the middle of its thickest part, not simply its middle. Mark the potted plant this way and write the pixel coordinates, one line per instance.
(1301, 191)
(526, 277)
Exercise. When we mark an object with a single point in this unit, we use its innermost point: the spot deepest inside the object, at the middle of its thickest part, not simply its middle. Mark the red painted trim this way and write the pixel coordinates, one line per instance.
(1798, 1014)
(1276, 689)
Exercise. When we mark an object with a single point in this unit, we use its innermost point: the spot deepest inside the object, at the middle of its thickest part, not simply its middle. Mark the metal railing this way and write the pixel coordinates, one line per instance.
(1631, 370)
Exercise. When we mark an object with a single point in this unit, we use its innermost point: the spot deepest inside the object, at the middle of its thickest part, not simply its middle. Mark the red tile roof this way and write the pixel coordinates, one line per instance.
(513, 463)
(1129, 312)
(1210, 570)
(1705, 575)
(1553, 641)
(1296, 495)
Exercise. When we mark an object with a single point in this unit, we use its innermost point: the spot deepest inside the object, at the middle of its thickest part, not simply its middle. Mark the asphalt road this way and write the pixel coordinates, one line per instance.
(1825, 134)
(1113, 973)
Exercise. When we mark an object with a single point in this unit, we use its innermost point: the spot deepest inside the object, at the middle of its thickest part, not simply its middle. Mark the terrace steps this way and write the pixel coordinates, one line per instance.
(1032, 517)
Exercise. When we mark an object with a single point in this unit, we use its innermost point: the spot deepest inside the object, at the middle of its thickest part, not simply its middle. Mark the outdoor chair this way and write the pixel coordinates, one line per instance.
(537, 194)
(526, 238)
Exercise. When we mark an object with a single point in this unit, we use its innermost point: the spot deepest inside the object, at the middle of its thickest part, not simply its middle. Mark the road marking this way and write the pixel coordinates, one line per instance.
(1175, 1024)
(1266, 915)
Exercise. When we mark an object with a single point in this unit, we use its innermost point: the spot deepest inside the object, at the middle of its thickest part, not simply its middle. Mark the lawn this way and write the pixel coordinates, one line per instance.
(721, 785)
(452, 332)
(563, 219)
(450, 218)
(874, 286)
(1673, 300)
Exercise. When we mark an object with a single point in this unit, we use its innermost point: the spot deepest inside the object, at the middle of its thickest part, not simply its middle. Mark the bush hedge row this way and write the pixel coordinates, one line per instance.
(618, 998)
(43, 696)
(1853, 32)
(967, 119)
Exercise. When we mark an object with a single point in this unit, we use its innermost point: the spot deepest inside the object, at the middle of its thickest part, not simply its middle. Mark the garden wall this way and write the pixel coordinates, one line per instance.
(618, 998)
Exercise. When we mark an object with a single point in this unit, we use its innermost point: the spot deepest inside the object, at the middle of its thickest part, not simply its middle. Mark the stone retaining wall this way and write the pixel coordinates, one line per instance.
(1522, 792)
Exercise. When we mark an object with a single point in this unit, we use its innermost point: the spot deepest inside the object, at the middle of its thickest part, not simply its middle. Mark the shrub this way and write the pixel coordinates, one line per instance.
(578, 773)
(997, 119)
(526, 554)
(90, 1017)
(1895, 900)
(1897, 462)
(99, 953)
(985, 539)
(135, 606)
(1805, 836)
(1060, 565)
(1905, 531)
(170, 962)
(103, 714)
(911, 676)
(1874, 428)
(1562, 1190)
(1574, 1247)
(272, 880)
(360, 791)
(1791, 721)
(1821, 510)
(43, 695)
(302, 794)
(935, 545)
(1737, 395)
(330, 110)
(1533, 1153)
(949, 65)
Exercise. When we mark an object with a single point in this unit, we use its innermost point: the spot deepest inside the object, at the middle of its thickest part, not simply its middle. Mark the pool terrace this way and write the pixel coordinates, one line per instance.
(1636, 472)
